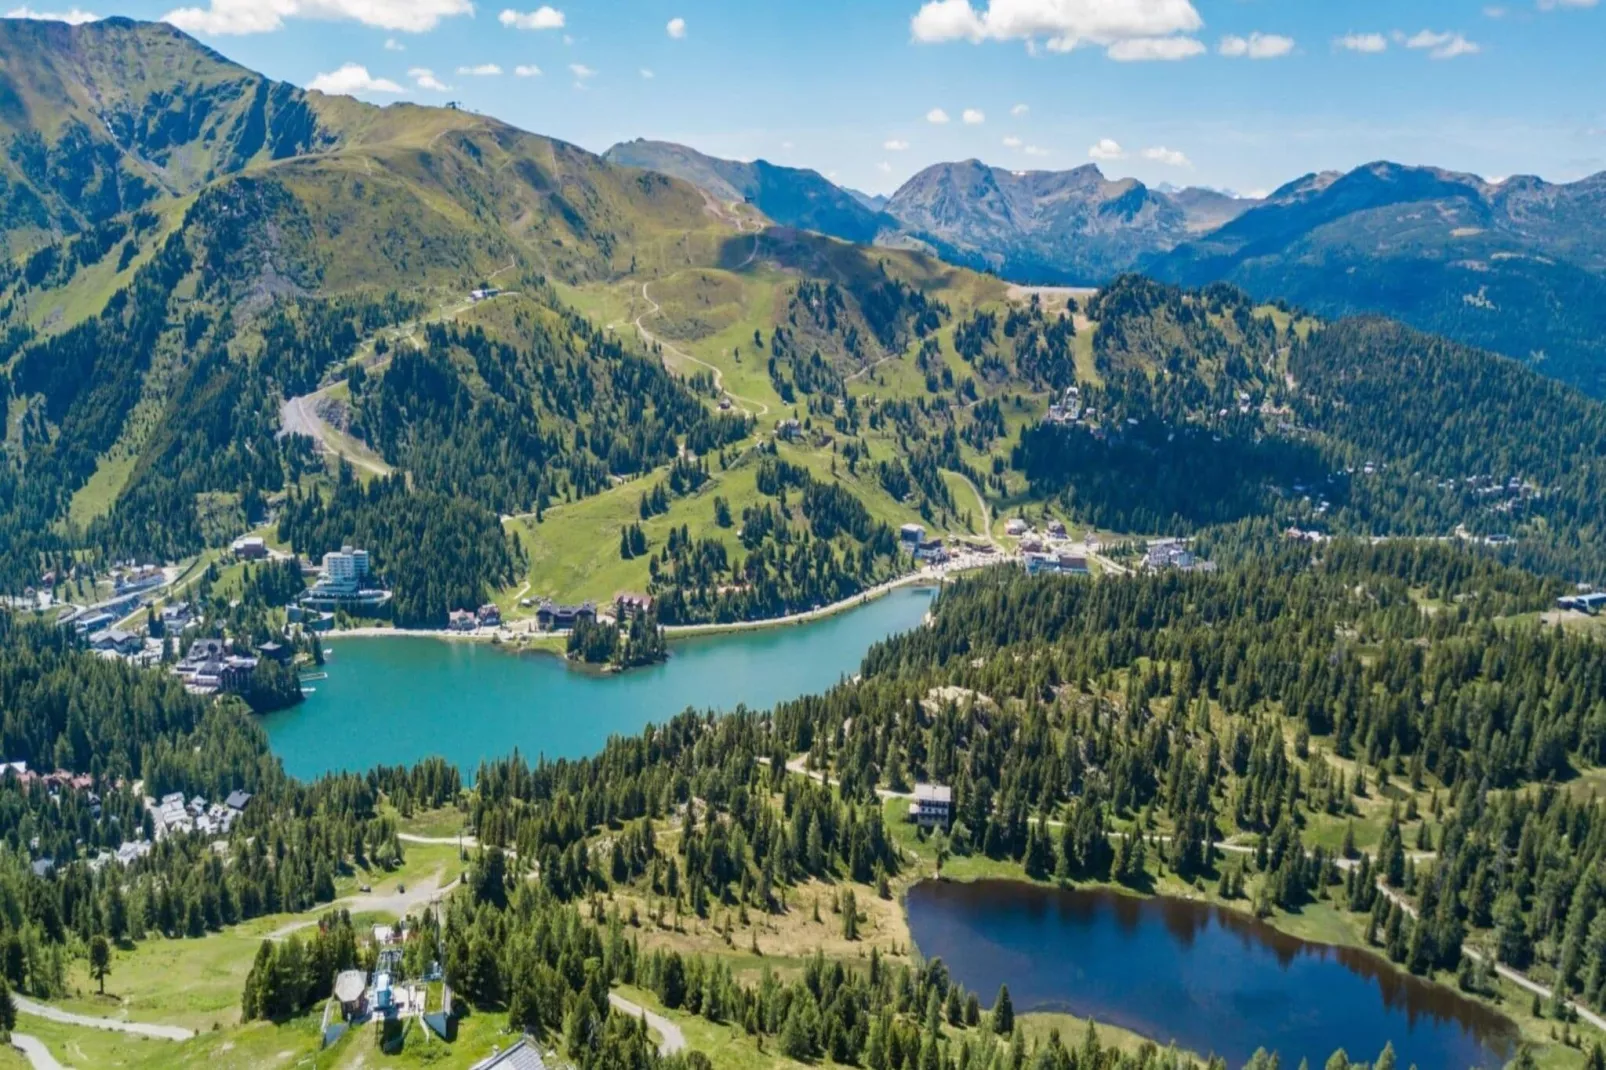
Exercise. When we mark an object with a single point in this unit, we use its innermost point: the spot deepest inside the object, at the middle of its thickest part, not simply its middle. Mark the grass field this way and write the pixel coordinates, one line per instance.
(574, 549)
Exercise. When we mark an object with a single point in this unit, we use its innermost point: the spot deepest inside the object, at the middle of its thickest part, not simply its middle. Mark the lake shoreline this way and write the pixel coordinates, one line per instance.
(942, 902)
(543, 642)
(1241, 912)
(396, 702)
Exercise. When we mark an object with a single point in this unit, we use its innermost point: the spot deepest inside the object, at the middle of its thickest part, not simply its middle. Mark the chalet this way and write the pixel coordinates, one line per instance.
(1056, 529)
(115, 641)
(250, 548)
(932, 806)
(911, 535)
(1016, 527)
(237, 800)
(177, 616)
(555, 616)
(462, 620)
(211, 666)
(274, 652)
(789, 430)
(488, 616)
(931, 551)
(630, 606)
(1071, 565)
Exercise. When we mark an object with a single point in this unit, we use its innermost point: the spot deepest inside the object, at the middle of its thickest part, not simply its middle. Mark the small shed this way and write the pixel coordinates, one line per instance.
(349, 987)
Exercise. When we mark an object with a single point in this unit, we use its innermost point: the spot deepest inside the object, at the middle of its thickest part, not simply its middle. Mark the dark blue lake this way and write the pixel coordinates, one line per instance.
(1211, 980)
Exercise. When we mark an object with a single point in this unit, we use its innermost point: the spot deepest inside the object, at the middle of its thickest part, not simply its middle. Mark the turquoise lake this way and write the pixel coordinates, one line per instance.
(396, 700)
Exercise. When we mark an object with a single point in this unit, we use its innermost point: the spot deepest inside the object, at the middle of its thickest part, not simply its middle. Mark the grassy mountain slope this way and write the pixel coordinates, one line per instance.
(103, 118)
(1518, 267)
(792, 196)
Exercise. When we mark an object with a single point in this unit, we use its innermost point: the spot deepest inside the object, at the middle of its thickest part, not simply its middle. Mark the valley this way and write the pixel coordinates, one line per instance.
(464, 592)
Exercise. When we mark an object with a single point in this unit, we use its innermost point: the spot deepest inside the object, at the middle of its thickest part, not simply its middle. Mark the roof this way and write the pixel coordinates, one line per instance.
(521, 1056)
(237, 799)
(940, 793)
(349, 985)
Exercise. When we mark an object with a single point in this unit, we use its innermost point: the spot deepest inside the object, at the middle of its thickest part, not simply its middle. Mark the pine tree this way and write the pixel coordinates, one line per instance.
(100, 960)
(1003, 1012)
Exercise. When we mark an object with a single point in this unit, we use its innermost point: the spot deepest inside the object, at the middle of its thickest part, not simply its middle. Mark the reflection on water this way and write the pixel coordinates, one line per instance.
(1212, 980)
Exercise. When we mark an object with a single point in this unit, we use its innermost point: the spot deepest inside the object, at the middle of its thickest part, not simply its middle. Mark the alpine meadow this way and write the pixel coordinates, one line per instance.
(472, 601)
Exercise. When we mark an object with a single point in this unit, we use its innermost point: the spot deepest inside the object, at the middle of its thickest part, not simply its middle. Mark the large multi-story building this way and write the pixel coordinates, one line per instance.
(346, 581)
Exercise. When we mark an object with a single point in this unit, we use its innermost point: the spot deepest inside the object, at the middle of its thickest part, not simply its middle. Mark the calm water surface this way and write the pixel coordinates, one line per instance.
(1210, 979)
(395, 700)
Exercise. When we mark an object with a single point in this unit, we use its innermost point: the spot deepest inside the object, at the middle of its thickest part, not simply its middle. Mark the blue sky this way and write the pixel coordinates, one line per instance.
(1240, 94)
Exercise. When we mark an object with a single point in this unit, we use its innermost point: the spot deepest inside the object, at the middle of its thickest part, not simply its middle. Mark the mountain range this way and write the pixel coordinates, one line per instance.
(1517, 266)
(196, 251)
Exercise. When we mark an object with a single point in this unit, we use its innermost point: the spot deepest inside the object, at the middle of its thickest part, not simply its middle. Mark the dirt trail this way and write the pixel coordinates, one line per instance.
(33, 1049)
(116, 1025)
(421, 893)
(673, 1042)
(719, 376)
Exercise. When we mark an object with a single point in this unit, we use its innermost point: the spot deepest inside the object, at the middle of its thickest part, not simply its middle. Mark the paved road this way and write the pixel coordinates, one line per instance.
(673, 1039)
(33, 1049)
(56, 1014)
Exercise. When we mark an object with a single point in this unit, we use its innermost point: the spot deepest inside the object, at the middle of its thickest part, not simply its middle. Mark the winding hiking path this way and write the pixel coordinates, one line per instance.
(719, 376)
(673, 1042)
(56, 1014)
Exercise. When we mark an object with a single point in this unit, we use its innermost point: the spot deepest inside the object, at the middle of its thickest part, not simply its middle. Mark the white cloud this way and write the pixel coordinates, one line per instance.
(581, 71)
(393, 45)
(676, 28)
(1444, 45)
(526, 70)
(786, 146)
(884, 167)
(350, 79)
(1020, 109)
(222, 17)
(936, 115)
(1012, 142)
(72, 16)
(1106, 149)
(1169, 157)
(1062, 24)
(1371, 43)
(973, 116)
(1552, 5)
(425, 78)
(1495, 11)
(542, 18)
(895, 145)
(1145, 49)
(481, 70)
(1033, 150)
(646, 72)
(1256, 46)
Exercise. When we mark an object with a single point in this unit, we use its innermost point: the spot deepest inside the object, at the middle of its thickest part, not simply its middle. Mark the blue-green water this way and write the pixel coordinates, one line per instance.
(395, 700)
